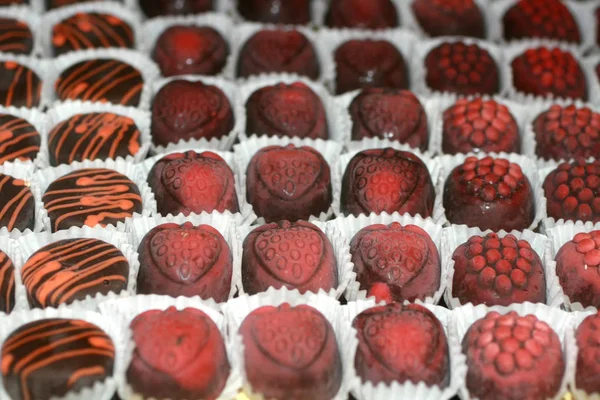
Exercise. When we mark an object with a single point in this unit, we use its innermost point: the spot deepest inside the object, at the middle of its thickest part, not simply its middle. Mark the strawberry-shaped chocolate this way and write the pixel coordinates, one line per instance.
(286, 110)
(588, 344)
(193, 182)
(402, 257)
(156, 8)
(372, 14)
(288, 12)
(184, 110)
(362, 63)
(288, 183)
(278, 50)
(399, 343)
(449, 17)
(291, 353)
(479, 125)
(392, 114)
(185, 260)
(497, 272)
(387, 180)
(513, 357)
(578, 268)
(179, 355)
(489, 193)
(573, 191)
(296, 255)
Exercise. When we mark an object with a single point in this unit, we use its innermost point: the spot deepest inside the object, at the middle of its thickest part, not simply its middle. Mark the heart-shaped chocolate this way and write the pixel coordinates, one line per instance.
(277, 49)
(394, 115)
(377, 57)
(290, 109)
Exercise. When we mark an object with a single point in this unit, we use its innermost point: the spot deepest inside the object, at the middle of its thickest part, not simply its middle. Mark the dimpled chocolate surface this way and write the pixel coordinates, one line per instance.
(449, 17)
(19, 139)
(17, 205)
(587, 336)
(289, 12)
(513, 357)
(7, 283)
(550, 19)
(20, 86)
(15, 36)
(360, 14)
(156, 8)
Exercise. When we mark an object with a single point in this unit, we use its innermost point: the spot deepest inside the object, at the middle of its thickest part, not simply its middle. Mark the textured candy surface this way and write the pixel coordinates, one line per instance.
(449, 17)
(588, 355)
(550, 19)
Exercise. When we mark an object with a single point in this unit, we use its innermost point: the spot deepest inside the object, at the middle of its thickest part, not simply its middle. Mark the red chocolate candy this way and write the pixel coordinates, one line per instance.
(573, 191)
(399, 343)
(391, 114)
(460, 68)
(193, 182)
(550, 19)
(369, 63)
(588, 367)
(489, 193)
(286, 110)
(291, 353)
(178, 355)
(479, 125)
(288, 183)
(402, 257)
(449, 17)
(184, 110)
(185, 260)
(289, 12)
(296, 255)
(372, 14)
(497, 272)
(387, 180)
(543, 72)
(193, 50)
(578, 267)
(278, 50)
(513, 357)
(567, 132)
(155, 8)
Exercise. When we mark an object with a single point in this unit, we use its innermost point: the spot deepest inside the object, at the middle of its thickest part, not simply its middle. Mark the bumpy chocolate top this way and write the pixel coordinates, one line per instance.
(17, 206)
(449, 17)
(18, 139)
(15, 36)
(491, 178)
(588, 342)
(19, 85)
(7, 283)
(540, 19)
(588, 244)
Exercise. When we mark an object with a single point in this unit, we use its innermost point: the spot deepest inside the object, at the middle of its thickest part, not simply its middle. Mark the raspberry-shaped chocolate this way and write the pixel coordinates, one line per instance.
(387, 180)
(402, 257)
(550, 19)
(461, 68)
(567, 132)
(497, 271)
(549, 72)
(293, 110)
(513, 357)
(479, 126)
(489, 193)
(156, 8)
(573, 191)
(371, 14)
(185, 260)
(449, 17)
(296, 255)
(392, 114)
(578, 268)
(288, 12)
(588, 356)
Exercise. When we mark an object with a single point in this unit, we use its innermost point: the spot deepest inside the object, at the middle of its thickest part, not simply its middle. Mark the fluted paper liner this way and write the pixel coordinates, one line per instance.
(22, 170)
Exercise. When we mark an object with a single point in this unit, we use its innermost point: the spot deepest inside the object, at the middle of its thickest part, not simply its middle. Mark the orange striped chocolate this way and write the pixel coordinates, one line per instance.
(19, 140)
(15, 36)
(19, 85)
(7, 283)
(52, 357)
(17, 206)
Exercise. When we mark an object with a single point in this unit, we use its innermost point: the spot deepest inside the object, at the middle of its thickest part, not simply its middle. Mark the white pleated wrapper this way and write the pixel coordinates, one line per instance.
(589, 66)
(32, 20)
(41, 67)
(349, 226)
(224, 223)
(462, 318)
(38, 120)
(10, 247)
(102, 390)
(573, 351)
(236, 310)
(126, 310)
(35, 7)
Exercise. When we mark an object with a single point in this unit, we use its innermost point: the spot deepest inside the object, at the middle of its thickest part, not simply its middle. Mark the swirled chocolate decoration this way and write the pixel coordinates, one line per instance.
(90, 197)
(7, 283)
(93, 136)
(15, 36)
(19, 85)
(51, 4)
(72, 269)
(19, 140)
(17, 206)
(49, 358)
(102, 80)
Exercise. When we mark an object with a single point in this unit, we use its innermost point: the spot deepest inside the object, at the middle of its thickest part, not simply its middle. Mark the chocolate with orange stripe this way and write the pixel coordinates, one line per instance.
(17, 207)
(52, 357)
(20, 86)
(7, 283)
(19, 140)
(15, 36)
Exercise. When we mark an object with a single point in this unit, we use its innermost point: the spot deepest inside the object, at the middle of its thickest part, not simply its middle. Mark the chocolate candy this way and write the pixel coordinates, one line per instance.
(19, 140)
(17, 206)
(586, 372)
(20, 86)
(372, 14)
(156, 8)
(449, 17)
(289, 12)
(15, 36)
(7, 283)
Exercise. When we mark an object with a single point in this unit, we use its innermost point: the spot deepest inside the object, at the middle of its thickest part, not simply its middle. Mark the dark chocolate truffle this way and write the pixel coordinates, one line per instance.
(372, 14)
(489, 193)
(513, 357)
(392, 114)
(185, 110)
(20, 86)
(15, 36)
(291, 353)
(190, 50)
(286, 110)
(156, 8)
(588, 343)
(52, 4)
(7, 283)
(178, 355)
(17, 206)
(19, 140)
(4, 3)
(387, 180)
(193, 182)
(278, 50)
(185, 260)
(404, 258)
(369, 63)
(91, 197)
(50, 358)
(102, 80)
(449, 17)
(296, 255)
(573, 191)
(93, 136)
(497, 272)
(289, 183)
(399, 343)
(479, 125)
(288, 12)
